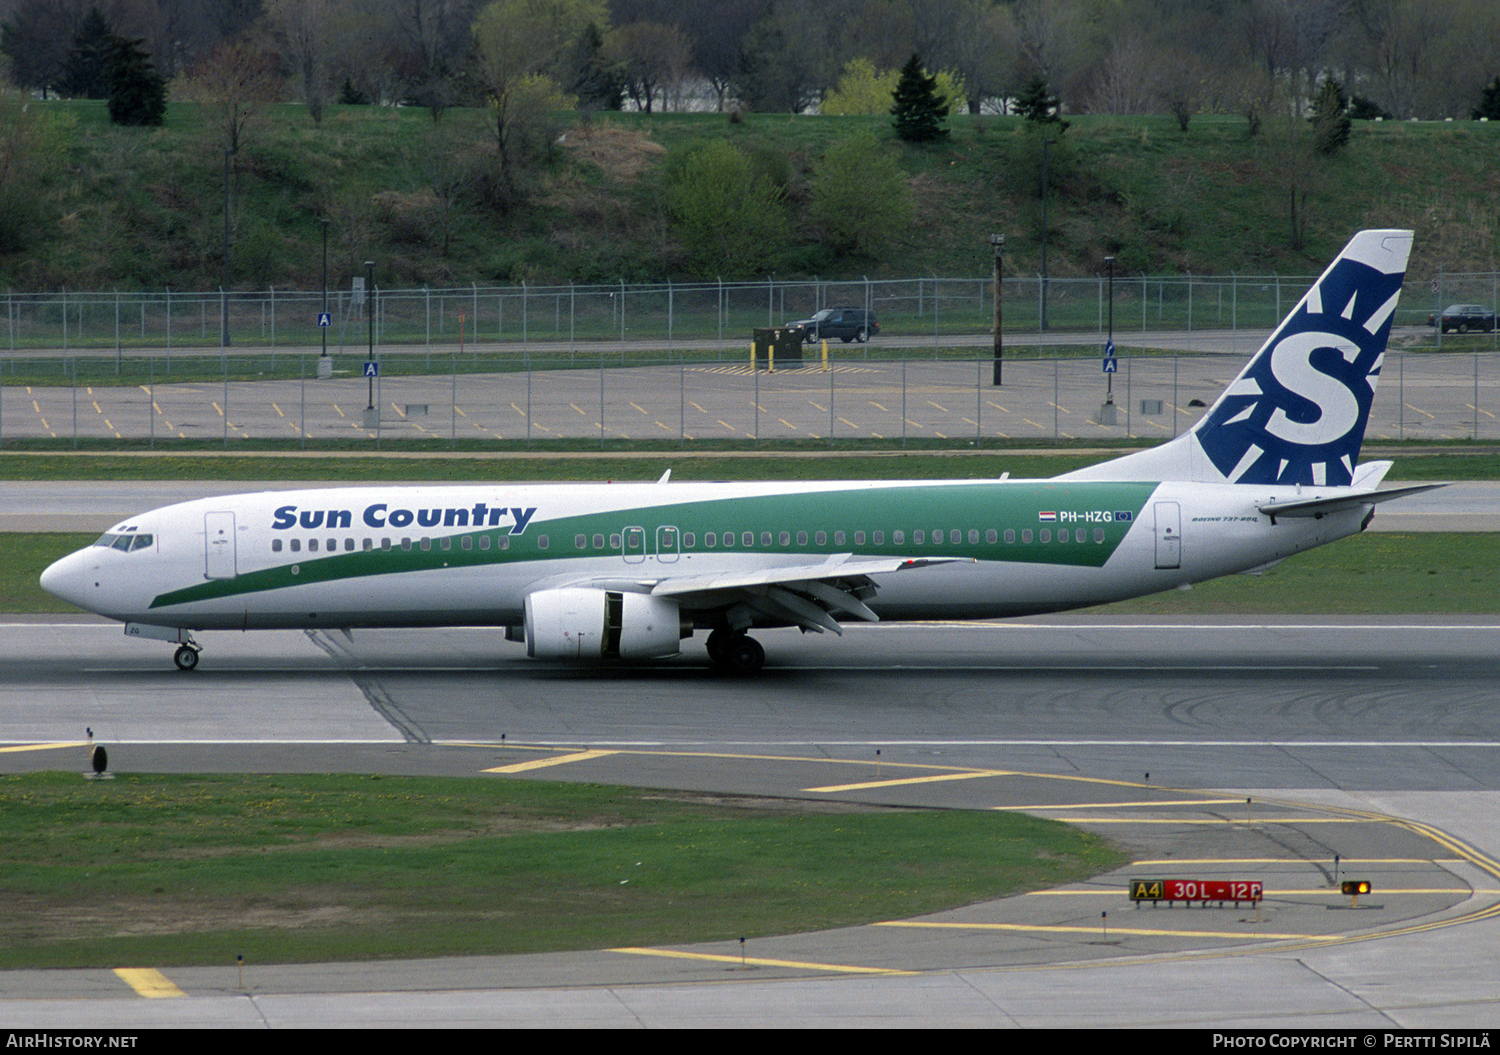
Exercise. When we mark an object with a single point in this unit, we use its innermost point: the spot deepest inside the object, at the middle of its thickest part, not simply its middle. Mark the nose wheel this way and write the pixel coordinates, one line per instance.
(186, 658)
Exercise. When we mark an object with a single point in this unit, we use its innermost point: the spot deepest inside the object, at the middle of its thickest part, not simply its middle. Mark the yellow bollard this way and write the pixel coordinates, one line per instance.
(825, 355)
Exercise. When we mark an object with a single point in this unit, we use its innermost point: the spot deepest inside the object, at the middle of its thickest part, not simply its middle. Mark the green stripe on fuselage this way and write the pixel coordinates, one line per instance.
(927, 509)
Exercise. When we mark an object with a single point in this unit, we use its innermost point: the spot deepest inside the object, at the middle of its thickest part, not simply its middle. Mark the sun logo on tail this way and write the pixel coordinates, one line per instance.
(1297, 414)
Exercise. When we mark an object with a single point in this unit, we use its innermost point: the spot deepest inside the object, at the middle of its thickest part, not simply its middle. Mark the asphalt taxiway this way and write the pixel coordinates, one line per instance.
(1239, 748)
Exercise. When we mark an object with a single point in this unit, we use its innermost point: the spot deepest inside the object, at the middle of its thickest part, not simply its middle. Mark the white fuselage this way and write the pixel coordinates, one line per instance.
(413, 554)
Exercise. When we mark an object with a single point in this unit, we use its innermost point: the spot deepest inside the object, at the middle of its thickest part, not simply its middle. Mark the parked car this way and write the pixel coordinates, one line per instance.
(1465, 317)
(847, 324)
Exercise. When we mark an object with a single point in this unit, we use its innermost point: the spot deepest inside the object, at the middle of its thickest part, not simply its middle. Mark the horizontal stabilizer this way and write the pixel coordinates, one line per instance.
(1317, 507)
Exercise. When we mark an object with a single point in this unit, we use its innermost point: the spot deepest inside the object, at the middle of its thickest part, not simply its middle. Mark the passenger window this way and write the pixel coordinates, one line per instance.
(1045, 536)
(369, 544)
(709, 539)
(918, 537)
(484, 542)
(1098, 534)
(990, 536)
(786, 538)
(580, 542)
(747, 539)
(598, 541)
(312, 545)
(974, 536)
(689, 540)
(348, 545)
(446, 542)
(427, 543)
(542, 542)
(822, 537)
(898, 537)
(879, 538)
(1026, 537)
(406, 543)
(1010, 536)
(615, 542)
(468, 542)
(801, 538)
(765, 538)
(275, 545)
(385, 544)
(859, 538)
(296, 545)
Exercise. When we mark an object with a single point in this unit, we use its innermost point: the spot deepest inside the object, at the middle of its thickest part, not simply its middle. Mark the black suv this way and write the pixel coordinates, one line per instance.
(847, 324)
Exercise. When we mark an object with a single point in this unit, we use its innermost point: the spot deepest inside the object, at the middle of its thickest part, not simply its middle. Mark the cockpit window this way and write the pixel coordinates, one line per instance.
(126, 543)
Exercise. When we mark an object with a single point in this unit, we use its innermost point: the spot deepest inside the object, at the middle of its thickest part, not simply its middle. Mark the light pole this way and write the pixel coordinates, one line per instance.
(370, 317)
(224, 279)
(997, 242)
(324, 329)
(1109, 346)
(1046, 194)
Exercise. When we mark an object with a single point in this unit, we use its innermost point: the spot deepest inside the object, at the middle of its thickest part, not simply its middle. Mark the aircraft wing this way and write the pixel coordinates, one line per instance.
(1317, 507)
(803, 595)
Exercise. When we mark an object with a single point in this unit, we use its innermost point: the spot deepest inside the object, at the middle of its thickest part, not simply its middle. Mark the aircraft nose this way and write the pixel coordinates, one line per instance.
(65, 578)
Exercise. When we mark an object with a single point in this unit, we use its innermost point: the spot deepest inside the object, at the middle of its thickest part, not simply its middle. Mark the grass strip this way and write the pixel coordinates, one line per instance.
(168, 869)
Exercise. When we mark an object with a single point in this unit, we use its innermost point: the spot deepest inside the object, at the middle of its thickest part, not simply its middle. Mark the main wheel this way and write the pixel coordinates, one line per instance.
(718, 644)
(744, 655)
(186, 658)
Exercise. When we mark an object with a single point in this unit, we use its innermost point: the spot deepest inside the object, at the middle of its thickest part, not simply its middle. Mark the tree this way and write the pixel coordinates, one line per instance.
(37, 38)
(918, 112)
(860, 198)
(1489, 102)
(862, 89)
(137, 93)
(730, 220)
(235, 84)
(650, 58)
(521, 48)
(1330, 118)
(86, 71)
(1037, 104)
(593, 78)
(302, 29)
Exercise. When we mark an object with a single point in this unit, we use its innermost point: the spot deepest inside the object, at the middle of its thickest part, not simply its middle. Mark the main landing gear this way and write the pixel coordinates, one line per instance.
(186, 657)
(731, 650)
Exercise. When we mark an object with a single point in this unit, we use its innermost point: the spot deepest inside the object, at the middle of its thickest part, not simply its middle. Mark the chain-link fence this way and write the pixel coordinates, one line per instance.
(911, 312)
(447, 399)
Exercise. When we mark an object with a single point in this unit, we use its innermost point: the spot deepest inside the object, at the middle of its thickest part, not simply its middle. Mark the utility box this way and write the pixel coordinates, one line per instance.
(325, 367)
(784, 341)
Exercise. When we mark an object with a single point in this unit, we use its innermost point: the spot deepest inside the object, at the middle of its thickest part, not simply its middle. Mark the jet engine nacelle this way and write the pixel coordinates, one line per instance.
(582, 623)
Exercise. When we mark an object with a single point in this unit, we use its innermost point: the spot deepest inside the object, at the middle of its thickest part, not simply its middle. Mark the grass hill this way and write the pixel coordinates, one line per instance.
(142, 208)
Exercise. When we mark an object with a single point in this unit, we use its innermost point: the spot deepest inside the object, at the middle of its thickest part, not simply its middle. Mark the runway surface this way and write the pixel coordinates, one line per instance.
(1373, 740)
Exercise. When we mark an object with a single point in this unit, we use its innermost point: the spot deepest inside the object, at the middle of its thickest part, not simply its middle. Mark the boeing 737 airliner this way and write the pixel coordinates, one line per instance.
(627, 571)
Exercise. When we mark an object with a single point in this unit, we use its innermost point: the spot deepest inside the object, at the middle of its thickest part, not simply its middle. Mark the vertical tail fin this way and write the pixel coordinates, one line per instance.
(1298, 411)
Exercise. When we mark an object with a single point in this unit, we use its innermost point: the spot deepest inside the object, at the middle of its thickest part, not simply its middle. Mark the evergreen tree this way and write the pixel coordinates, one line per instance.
(918, 111)
(1330, 118)
(1037, 104)
(86, 72)
(1489, 102)
(137, 93)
